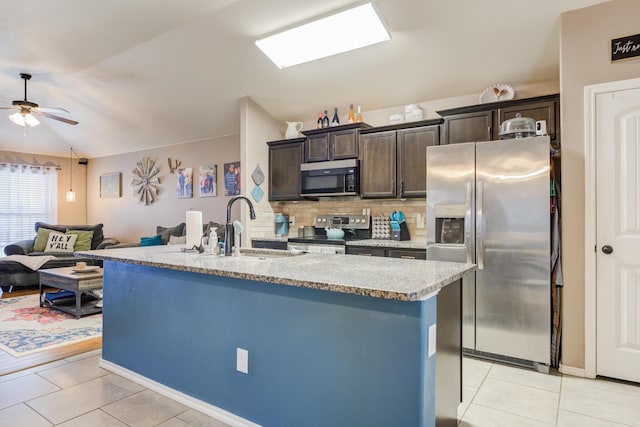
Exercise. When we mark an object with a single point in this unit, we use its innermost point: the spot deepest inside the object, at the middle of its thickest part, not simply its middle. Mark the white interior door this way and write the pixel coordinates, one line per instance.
(618, 234)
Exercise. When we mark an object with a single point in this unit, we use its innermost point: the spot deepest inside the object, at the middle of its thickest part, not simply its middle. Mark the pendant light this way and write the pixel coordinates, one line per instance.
(71, 195)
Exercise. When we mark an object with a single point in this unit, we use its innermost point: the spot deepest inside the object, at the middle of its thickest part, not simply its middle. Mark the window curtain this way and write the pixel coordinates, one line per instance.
(28, 193)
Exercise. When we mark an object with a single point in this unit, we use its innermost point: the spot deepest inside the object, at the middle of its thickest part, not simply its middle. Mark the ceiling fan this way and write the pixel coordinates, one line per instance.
(27, 110)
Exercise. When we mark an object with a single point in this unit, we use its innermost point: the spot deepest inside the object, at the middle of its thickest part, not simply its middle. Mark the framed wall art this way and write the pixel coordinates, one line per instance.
(232, 185)
(110, 185)
(208, 180)
(184, 189)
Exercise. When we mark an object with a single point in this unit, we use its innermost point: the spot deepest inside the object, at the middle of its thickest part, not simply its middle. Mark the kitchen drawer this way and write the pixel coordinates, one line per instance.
(269, 244)
(408, 253)
(366, 251)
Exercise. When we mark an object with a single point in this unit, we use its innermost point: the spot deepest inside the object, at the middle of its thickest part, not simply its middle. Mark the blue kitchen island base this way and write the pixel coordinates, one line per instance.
(315, 358)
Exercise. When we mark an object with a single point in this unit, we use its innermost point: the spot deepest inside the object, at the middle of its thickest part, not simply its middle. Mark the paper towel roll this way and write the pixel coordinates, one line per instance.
(194, 229)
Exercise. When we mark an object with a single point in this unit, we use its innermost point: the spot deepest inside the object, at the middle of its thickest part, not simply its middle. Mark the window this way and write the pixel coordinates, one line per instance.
(27, 194)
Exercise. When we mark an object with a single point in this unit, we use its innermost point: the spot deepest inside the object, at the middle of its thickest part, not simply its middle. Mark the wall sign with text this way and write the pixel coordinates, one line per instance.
(625, 47)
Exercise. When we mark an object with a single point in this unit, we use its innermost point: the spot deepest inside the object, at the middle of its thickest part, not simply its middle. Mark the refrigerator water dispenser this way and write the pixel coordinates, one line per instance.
(449, 224)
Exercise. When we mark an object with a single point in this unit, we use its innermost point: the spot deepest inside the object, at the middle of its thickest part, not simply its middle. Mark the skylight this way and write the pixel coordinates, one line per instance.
(344, 31)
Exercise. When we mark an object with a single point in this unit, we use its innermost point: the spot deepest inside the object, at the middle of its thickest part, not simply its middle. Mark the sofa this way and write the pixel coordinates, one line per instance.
(89, 237)
(177, 234)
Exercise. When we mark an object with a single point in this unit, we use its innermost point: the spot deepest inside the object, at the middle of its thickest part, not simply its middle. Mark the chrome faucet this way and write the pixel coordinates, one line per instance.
(228, 229)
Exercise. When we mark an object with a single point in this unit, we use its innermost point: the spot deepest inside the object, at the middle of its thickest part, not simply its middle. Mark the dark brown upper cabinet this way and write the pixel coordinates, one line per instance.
(466, 127)
(412, 159)
(285, 157)
(482, 122)
(393, 159)
(337, 143)
(378, 165)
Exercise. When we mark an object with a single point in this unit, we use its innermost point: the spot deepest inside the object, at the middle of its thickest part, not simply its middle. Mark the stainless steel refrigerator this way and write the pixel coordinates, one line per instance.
(488, 204)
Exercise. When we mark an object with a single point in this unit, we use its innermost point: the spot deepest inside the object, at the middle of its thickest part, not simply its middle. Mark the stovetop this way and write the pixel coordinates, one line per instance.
(355, 227)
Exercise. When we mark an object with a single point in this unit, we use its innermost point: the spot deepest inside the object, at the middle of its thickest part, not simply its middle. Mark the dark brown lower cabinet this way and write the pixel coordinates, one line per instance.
(406, 253)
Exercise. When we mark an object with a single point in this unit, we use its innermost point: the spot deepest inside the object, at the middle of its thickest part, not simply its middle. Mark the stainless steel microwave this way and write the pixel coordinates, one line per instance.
(334, 178)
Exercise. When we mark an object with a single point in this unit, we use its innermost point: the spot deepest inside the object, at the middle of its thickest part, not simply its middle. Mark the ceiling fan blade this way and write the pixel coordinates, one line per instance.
(9, 108)
(51, 116)
(52, 110)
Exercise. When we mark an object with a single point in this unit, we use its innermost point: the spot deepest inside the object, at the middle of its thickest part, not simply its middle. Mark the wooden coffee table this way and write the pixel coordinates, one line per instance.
(68, 279)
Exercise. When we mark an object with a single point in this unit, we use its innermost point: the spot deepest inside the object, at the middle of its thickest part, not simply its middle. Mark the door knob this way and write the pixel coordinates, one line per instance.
(606, 249)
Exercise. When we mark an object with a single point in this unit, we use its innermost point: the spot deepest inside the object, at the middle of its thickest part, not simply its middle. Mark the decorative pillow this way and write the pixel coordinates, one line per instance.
(98, 234)
(41, 239)
(178, 230)
(59, 242)
(151, 241)
(84, 239)
(175, 240)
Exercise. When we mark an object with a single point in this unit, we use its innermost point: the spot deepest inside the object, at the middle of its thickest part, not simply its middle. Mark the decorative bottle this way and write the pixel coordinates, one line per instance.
(359, 116)
(325, 120)
(335, 121)
(319, 125)
(351, 118)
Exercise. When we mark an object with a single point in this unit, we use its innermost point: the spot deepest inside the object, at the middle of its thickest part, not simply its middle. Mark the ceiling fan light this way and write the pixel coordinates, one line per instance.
(17, 118)
(24, 119)
(31, 120)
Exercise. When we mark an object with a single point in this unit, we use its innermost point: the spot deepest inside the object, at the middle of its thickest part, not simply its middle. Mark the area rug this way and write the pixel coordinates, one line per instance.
(26, 328)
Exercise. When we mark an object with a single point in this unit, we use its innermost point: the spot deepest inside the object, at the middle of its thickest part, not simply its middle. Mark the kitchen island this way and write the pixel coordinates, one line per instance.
(331, 340)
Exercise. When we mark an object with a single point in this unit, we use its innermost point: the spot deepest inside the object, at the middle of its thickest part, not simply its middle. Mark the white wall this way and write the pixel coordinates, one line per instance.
(257, 127)
(584, 60)
(127, 220)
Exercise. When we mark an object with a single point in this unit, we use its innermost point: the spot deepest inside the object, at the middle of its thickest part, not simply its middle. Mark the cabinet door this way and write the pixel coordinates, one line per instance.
(284, 171)
(468, 127)
(366, 251)
(412, 159)
(378, 165)
(344, 144)
(537, 111)
(316, 148)
(408, 253)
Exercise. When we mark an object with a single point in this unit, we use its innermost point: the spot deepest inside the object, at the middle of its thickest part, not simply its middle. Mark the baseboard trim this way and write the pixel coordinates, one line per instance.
(570, 370)
(185, 399)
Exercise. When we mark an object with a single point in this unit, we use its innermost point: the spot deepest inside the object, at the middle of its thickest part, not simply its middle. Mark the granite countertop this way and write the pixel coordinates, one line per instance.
(387, 278)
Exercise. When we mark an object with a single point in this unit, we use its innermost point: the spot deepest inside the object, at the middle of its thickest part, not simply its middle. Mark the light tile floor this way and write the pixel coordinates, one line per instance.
(76, 392)
(496, 395)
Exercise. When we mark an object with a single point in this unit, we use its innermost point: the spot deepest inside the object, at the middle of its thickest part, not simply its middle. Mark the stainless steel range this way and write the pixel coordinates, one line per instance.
(355, 227)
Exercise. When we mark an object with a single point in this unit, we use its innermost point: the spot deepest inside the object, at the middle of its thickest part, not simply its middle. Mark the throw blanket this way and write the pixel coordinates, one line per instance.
(33, 262)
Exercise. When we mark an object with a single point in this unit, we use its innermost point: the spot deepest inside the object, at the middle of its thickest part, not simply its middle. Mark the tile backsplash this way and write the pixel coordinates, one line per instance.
(305, 212)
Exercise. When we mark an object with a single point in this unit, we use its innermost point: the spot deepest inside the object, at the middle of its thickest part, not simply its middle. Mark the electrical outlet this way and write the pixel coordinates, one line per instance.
(419, 221)
(242, 360)
(292, 220)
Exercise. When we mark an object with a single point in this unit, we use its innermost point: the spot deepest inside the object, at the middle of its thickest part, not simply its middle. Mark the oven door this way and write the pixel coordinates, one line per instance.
(316, 248)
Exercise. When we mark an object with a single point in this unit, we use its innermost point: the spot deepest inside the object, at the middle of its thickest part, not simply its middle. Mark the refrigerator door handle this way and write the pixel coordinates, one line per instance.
(480, 226)
(467, 225)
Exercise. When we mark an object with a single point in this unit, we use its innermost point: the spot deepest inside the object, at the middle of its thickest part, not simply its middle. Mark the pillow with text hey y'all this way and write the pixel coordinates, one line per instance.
(59, 242)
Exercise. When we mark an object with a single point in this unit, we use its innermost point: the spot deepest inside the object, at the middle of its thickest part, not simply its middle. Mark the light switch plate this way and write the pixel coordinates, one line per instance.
(432, 340)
